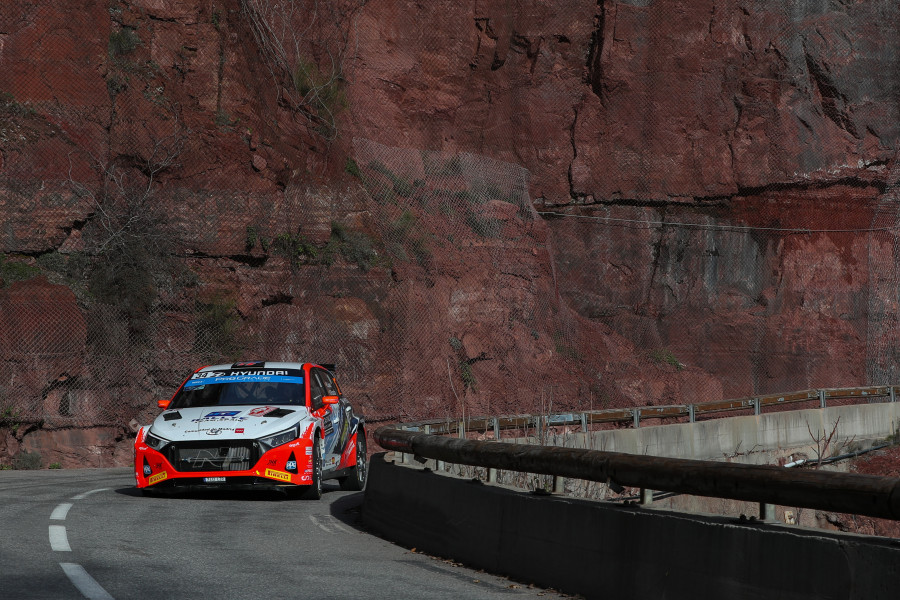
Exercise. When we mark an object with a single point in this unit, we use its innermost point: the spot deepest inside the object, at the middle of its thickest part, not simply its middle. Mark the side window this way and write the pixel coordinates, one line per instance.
(328, 381)
(316, 390)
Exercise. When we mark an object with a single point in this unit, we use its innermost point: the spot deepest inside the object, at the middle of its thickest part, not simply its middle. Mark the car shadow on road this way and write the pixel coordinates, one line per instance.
(348, 510)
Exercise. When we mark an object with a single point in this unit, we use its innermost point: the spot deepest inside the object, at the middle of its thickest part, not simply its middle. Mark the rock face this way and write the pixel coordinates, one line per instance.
(716, 180)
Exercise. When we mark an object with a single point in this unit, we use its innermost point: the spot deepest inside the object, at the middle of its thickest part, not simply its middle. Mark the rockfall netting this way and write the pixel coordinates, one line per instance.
(520, 208)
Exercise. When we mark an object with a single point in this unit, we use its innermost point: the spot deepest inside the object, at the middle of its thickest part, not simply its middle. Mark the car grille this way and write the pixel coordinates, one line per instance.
(204, 456)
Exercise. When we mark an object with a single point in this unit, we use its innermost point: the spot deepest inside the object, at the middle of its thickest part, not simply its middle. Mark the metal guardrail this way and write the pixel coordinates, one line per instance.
(867, 495)
(634, 415)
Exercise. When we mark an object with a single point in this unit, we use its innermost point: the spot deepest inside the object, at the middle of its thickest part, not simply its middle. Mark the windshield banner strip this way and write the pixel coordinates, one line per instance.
(244, 378)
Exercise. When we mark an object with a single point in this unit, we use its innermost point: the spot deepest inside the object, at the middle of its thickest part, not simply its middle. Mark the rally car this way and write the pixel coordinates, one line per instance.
(253, 425)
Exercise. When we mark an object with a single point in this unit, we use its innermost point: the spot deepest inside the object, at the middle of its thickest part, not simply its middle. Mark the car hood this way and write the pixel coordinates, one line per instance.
(231, 422)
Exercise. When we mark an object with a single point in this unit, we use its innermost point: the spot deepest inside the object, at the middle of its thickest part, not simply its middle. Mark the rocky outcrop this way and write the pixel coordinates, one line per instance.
(720, 172)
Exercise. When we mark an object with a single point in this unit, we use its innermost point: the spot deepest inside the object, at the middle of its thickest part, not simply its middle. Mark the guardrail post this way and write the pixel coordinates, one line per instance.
(691, 415)
(559, 484)
(756, 410)
(636, 414)
(461, 429)
(822, 403)
(403, 454)
(893, 394)
(646, 496)
(492, 475)
(584, 425)
(766, 512)
(496, 429)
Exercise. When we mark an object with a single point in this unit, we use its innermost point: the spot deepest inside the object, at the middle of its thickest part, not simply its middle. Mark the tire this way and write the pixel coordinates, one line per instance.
(314, 490)
(356, 480)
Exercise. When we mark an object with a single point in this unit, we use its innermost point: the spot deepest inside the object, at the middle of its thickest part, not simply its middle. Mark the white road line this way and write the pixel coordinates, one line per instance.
(59, 513)
(86, 494)
(328, 523)
(58, 540)
(86, 584)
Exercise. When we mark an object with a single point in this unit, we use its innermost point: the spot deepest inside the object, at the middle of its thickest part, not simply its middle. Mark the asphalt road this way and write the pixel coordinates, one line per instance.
(89, 534)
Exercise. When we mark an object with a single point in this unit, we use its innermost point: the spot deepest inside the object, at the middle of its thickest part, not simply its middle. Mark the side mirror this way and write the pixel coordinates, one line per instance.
(163, 404)
(330, 399)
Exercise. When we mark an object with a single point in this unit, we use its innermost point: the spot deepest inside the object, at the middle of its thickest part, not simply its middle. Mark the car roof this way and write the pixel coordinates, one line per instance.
(254, 365)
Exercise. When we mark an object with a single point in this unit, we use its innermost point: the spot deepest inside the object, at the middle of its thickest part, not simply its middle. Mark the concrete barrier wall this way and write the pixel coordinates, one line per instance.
(602, 550)
(753, 438)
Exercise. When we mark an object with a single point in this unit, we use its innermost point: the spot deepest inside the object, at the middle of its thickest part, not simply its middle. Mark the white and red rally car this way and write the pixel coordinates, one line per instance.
(253, 425)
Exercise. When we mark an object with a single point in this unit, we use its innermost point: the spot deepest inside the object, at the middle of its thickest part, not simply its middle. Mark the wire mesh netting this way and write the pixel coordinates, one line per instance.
(468, 210)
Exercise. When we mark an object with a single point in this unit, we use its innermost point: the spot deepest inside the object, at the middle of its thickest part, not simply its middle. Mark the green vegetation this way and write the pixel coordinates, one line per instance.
(355, 247)
(468, 378)
(402, 187)
(352, 168)
(123, 42)
(252, 238)
(295, 248)
(322, 92)
(488, 227)
(55, 465)
(564, 348)
(665, 356)
(12, 271)
(27, 461)
(9, 417)
(223, 120)
(216, 328)
(8, 103)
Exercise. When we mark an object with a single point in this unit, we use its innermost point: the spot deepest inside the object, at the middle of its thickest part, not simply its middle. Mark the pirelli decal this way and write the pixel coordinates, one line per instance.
(279, 475)
(157, 478)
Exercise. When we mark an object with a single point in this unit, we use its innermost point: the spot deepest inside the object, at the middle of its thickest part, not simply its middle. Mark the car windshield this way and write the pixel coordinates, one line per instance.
(232, 387)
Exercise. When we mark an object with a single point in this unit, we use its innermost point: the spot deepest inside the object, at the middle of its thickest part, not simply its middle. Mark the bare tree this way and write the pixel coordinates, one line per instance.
(305, 44)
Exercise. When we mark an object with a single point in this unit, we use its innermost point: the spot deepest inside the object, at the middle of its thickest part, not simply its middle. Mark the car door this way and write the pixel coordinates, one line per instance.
(322, 385)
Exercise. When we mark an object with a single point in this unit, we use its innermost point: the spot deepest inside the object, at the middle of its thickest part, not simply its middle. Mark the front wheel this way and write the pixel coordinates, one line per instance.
(314, 490)
(356, 480)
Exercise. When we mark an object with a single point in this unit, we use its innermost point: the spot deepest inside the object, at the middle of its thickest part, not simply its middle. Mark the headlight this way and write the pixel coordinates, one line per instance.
(278, 439)
(157, 443)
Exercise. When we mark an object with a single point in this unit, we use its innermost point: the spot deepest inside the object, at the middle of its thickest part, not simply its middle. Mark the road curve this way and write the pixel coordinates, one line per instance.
(88, 533)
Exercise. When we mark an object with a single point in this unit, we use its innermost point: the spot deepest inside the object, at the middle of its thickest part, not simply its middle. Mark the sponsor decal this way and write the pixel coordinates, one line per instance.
(293, 444)
(216, 431)
(261, 411)
(237, 376)
(329, 427)
(147, 470)
(157, 466)
(305, 478)
(157, 478)
(272, 462)
(248, 364)
(309, 451)
(220, 417)
(236, 373)
(279, 475)
(213, 480)
(239, 430)
(291, 464)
